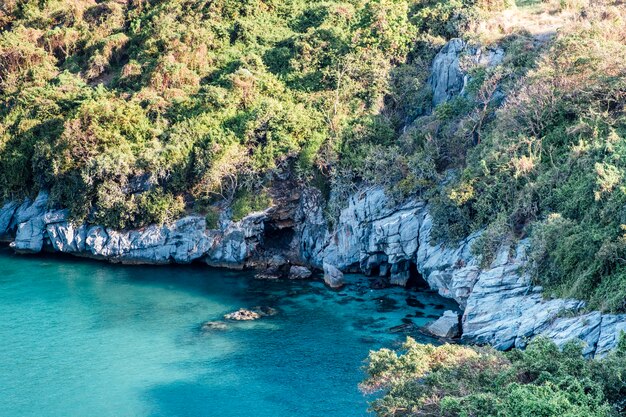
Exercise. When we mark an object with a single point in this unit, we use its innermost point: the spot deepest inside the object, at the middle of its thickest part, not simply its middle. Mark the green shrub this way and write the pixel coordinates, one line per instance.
(212, 218)
(452, 380)
(247, 202)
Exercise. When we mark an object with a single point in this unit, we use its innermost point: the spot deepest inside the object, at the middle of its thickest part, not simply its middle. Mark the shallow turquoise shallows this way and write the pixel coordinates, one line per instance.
(89, 339)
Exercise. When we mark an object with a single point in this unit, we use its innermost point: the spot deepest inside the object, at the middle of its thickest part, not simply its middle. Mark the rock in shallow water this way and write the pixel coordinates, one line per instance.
(254, 313)
(447, 326)
(299, 272)
(333, 277)
(242, 314)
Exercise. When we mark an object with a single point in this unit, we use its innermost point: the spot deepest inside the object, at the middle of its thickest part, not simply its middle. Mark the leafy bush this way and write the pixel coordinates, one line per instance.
(247, 202)
(200, 99)
(452, 380)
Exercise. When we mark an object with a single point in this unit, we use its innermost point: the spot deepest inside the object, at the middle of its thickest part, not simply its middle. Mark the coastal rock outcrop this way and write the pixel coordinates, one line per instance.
(501, 305)
(35, 228)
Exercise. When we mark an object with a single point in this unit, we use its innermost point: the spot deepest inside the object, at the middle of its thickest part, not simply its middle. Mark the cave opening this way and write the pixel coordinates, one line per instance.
(375, 271)
(416, 280)
(278, 238)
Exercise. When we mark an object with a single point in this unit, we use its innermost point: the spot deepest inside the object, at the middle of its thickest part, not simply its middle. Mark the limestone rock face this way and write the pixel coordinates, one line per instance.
(182, 241)
(448, 79)
(232, 247)
(501, 305)
(6, 215)
(446, 326)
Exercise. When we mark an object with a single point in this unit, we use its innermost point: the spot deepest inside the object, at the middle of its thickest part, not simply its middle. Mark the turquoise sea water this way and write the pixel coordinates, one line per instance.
(83, 338)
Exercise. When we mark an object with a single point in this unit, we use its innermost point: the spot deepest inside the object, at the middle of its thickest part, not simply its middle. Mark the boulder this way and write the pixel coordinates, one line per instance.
(242, 315)
(333, 277)
(299, 272)
(446, 326)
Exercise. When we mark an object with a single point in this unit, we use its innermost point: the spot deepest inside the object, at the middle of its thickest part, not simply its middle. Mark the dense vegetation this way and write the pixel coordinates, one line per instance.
(452, 380)
(133, 111)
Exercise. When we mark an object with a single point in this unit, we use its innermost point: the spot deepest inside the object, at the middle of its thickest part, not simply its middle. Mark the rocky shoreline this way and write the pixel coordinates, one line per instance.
(372, 236)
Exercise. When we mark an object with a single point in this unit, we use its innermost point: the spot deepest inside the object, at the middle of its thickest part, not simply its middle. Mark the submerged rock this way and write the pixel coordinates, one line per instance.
(447, 326)
(333, 277)
(264, 311)
(403, 328)
(213, 325)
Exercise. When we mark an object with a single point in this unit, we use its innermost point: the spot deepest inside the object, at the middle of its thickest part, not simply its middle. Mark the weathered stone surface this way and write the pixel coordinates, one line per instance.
(611, 327)
(333, 277)
(446, 326)
(29, 209)
(183, 241)
(448, 77)
(501, 305)
(67, 238)
(29, 235)
(237, 243)
(6, 214)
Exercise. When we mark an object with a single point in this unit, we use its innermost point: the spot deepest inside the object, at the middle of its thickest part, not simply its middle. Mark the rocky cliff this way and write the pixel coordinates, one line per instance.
(501, 305)
(36, 228)
(372, 236)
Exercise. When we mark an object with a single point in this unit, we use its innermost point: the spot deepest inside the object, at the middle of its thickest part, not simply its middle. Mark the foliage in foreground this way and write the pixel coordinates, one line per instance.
(454, 380)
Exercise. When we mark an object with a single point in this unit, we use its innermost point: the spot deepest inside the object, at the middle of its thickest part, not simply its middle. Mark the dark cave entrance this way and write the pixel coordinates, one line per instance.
(278, 238)
(374, 271)
(416, 280)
